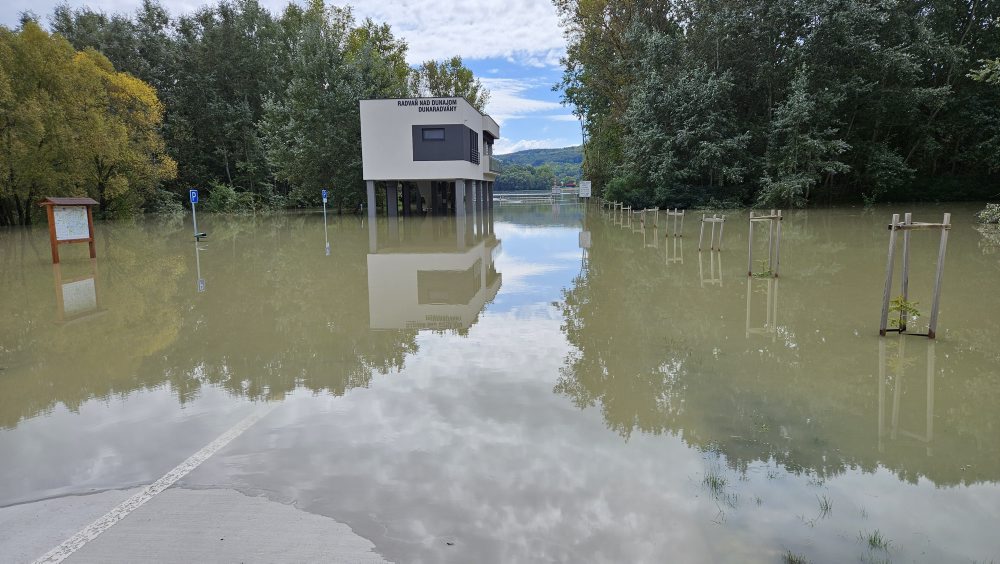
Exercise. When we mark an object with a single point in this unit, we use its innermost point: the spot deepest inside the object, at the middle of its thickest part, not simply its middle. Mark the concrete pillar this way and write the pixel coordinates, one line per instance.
(435, 198)
(480, 207)
(407, 204)
(392, 198)
(460, 206)
(371, 201)
(469, 199)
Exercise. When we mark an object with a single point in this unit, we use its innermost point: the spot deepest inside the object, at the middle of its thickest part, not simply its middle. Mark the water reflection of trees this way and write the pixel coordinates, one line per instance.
(277, 315)
(657, 354)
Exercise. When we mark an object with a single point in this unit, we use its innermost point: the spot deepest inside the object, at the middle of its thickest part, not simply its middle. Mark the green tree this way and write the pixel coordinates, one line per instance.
(71, 125)
(802, 147)
(449, 78)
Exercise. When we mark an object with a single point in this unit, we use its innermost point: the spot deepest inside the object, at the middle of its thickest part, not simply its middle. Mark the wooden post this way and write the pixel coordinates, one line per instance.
(770, 242)
(777, 246)
(90, 225)
(750, 247)
(883, 323)
(52, 235)
(721, 227)
(749, 291)
(905, 278)
(936, 301)
(701, 234)
(680, 233)
(711, 244)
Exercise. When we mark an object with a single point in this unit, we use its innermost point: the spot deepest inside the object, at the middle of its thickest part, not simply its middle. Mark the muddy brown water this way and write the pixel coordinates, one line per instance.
(496, 392)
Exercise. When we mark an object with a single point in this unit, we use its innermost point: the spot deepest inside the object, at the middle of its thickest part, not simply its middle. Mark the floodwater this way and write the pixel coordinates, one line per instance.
(546, 385)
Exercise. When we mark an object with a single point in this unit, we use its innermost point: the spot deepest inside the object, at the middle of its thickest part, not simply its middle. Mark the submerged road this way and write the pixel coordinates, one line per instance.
(161, 523)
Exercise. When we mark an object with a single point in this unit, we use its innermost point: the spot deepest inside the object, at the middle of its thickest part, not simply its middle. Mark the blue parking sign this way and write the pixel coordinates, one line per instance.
(324, 194)
(194, 196)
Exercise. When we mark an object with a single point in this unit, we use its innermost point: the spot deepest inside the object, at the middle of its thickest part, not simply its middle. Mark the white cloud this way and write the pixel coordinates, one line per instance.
(563, 117)
(524, 31)
(504, 146)
(507, 99)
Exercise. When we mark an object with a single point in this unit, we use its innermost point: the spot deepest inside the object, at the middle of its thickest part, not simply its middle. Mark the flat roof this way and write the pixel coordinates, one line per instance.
(462, 98)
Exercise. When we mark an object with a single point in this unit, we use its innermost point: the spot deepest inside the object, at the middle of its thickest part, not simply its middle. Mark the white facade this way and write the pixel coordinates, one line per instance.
(387, 139)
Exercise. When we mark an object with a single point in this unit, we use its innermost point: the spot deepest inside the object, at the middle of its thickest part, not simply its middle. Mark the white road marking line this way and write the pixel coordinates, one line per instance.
(93, 530)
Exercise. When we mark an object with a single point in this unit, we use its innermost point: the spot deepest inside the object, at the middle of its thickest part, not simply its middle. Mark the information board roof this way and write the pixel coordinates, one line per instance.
(68, 202)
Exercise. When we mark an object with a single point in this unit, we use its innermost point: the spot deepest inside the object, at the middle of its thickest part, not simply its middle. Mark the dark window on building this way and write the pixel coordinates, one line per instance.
(474, 146)
(432, 134)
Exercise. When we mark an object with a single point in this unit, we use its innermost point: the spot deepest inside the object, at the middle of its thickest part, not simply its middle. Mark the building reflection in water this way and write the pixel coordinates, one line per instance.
(77, 294)
(431, 273)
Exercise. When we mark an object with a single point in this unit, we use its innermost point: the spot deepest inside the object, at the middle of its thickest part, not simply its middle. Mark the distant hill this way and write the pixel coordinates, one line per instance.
(536, 169)
(539, 157)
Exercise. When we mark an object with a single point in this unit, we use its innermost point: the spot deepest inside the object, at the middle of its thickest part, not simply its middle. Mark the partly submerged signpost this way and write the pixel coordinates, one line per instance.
(70, 221)
(193, 196)
(326, 234)
(585, 189)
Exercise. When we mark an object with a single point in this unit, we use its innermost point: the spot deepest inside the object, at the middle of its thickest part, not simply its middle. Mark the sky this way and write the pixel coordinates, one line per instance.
(514, 46)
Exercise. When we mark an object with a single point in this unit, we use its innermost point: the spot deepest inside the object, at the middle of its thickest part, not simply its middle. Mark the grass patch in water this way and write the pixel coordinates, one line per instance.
(875, 540)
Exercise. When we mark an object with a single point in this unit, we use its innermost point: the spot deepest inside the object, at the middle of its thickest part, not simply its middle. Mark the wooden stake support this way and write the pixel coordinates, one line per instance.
(906, 226)
(773, 219)
(676, 232)
(715, 219)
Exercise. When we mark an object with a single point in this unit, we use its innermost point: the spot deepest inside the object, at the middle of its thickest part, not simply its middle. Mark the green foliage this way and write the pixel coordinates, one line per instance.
(449, 78)
(536, 169)
(988, 73)
(786, 101)
(875, 540)
(989, 214)
(802, 146)
(763, 270)
(899, 309)
(70, 124)
(165, 203)
(525, 177)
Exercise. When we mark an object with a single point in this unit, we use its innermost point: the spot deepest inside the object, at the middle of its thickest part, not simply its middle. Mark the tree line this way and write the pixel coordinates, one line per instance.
(785, 102)
(260, 111)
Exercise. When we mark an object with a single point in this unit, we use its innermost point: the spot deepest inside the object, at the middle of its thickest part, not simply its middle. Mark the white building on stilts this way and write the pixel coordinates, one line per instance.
(429, 156)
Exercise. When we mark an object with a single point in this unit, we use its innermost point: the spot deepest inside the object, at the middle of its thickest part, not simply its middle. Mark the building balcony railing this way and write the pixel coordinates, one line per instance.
(494, 164)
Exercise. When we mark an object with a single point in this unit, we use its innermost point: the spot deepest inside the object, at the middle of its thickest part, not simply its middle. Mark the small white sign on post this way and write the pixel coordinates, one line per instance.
(584, 188)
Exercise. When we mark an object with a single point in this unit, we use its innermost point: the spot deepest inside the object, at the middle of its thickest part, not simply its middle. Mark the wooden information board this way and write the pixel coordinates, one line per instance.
(70, 221)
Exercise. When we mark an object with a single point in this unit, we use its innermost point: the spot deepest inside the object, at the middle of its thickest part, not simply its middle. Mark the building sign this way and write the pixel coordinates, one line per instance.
(584, 188)
(431, 104)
